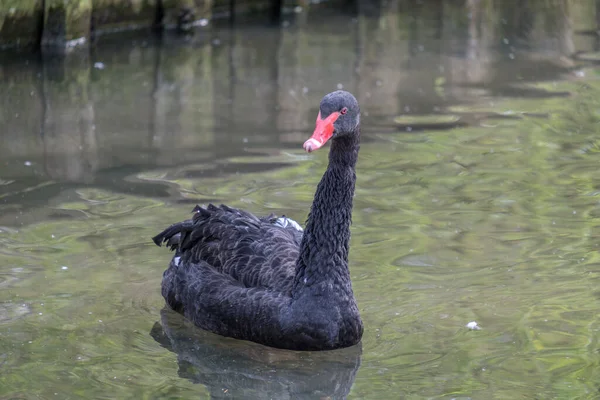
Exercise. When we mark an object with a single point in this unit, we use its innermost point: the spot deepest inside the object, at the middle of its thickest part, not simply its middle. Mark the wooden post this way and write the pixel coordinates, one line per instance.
(185, 14)
(111, 15)
(21, 24)
(67, 23)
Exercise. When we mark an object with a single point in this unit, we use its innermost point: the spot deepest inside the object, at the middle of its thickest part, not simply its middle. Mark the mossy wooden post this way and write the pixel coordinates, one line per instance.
(68, 133)
(109, 15)
(21, 22)
(67, 23)
(183, 14)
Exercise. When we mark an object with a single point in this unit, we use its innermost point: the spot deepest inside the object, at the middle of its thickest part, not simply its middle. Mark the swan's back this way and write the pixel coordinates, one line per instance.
(256, 252)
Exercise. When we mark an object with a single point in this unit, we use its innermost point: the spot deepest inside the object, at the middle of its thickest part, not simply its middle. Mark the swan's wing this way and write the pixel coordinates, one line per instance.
(286, 222)
(257, 252)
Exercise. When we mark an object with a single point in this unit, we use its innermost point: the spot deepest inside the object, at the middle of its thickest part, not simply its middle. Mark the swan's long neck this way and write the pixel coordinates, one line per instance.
(323, 258)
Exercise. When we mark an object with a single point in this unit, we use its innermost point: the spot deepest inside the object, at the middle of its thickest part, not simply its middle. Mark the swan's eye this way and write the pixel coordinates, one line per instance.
(344, 110)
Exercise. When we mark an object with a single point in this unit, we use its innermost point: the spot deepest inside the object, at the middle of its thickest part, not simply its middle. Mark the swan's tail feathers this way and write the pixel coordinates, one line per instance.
(200, 212)
(210, 227)
(173, 241)
(172, 235)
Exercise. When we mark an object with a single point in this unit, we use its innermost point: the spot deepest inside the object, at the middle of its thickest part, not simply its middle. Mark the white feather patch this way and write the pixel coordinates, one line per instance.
(284, 222)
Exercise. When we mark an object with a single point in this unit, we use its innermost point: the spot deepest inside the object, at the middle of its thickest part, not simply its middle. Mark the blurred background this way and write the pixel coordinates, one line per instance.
(477, 192)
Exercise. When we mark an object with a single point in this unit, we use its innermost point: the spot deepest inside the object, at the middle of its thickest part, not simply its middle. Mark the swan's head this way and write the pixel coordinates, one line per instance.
(339, 116)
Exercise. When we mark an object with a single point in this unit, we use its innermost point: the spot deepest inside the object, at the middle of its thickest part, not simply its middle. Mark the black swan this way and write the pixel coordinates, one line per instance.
(264, 279)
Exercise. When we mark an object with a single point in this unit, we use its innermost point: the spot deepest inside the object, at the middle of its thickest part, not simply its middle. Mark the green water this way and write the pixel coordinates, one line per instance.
(477, 200)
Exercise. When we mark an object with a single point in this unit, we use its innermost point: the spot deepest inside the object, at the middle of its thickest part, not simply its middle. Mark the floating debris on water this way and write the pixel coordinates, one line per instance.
(473, 326)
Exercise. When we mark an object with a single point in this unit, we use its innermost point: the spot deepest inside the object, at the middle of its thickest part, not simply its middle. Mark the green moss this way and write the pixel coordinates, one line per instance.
(66, 20)
(20, 22)
(109, 15)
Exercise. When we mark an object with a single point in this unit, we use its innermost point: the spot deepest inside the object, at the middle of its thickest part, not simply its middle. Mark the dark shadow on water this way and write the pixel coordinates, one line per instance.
(235, 369)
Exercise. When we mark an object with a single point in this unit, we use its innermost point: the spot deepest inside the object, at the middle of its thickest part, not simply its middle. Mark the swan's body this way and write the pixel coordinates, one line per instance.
(264, 279)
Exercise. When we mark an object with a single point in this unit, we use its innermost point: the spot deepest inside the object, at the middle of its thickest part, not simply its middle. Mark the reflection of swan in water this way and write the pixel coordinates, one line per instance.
(236, 369)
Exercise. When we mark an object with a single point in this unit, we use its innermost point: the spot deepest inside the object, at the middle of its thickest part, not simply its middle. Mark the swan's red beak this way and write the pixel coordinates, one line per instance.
(323, 132)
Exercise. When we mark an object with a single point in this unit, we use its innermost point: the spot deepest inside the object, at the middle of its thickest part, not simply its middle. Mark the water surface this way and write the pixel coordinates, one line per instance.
(477, 200)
